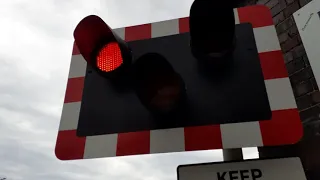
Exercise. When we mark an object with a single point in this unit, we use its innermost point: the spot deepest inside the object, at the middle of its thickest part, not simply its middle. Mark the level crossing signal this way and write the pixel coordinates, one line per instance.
(210, 81)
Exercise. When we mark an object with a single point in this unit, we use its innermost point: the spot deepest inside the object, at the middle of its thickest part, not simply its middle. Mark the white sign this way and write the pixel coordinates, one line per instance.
(308, 23)
(269, 169)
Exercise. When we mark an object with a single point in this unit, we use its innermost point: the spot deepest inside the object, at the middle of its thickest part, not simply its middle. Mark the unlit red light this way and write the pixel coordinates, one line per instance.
(166, 97)
(109, 58)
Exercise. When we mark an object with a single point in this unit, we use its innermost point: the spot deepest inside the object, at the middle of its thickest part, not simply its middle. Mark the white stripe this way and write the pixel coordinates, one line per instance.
(237, 135)
(165, 28)
(70, 116)
(167, 140)
(78, 66)
(100, 146)
(120, 32)
(280, 94)
(266, 39)
(236, 16)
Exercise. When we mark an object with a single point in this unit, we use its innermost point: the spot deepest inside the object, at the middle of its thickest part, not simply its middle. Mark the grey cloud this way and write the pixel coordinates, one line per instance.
(56, 18)
(128, 13)
(28, 94)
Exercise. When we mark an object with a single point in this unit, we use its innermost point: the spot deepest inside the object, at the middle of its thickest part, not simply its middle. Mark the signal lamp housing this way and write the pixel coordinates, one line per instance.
(102, 48)
(212, 31)
(158, 86)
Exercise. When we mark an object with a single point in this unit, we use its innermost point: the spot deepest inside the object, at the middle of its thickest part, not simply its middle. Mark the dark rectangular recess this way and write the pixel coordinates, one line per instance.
(240, 97)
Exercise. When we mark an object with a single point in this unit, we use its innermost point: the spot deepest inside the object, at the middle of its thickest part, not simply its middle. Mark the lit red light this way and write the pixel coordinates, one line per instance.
(109, 58)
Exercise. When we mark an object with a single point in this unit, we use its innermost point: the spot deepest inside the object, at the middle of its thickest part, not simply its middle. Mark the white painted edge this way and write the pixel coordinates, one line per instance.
(165, 28)
(167, 140)
(70, 116)
(237, 135)
(78, 66)
(101, 146)
(280, 94)
(236, 16)
(266, 39)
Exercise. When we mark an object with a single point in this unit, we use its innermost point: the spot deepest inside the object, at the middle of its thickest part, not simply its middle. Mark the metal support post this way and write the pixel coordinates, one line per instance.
(232, 154)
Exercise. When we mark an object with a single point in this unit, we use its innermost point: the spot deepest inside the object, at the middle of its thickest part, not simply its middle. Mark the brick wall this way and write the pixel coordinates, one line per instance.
(302, 79)
(304, 86)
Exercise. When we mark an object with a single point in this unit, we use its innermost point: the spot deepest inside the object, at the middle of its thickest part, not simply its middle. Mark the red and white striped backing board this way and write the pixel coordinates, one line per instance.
(284, 128)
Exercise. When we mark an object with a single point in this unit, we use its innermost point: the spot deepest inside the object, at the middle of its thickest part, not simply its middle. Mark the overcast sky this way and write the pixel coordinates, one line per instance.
(35, 51)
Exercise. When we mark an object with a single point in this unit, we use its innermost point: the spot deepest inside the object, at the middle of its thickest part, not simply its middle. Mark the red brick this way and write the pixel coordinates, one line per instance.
(262, 1)
(314, 84)
(306, 60)
(290, 1)
(303, 2)
(304, 102)
(289, 10)
(276, 10)
(311, 113)
(286, 24)
(251, 2)
(283, 37)
(295, 65)
(278, 18)
(293, 30)
(315, 96)
(288, 57)
(298, 51)
(301, 76)
(290, 33)
(308, 100)
(283, 4)
(303, 88)
(272, 3)
(290, 43)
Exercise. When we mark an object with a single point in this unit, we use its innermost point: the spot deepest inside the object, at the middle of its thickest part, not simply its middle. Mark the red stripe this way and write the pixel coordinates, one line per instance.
(133, 143)
(69, 146)
(285, 127)
(258, 15)
(184, 25)
(272, 64)
(138, 32)
(75, 49)
(202, 138)
(74, 90)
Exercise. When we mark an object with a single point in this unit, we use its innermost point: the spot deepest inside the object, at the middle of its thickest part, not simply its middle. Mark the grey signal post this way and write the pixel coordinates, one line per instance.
(232, 154)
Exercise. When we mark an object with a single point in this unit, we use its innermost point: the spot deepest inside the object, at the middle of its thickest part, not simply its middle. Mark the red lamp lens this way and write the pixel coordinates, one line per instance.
(109, 58)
